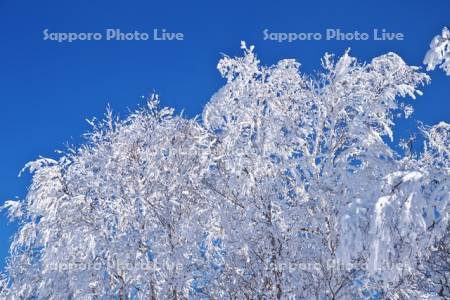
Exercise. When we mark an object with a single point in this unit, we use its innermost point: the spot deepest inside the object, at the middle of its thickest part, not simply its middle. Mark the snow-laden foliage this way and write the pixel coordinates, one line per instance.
(439, 53)
(286, 188)
(412, 219)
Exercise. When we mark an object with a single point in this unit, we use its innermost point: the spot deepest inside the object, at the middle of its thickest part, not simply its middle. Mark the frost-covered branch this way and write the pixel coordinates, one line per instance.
(439, 53)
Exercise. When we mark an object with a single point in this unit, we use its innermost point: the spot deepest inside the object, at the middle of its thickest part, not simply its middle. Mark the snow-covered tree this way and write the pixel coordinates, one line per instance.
(287, 187)
(117, 217)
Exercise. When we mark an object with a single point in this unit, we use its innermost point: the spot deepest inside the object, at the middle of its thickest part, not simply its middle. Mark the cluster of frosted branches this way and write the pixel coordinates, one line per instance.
(439, 53)
(286, 188)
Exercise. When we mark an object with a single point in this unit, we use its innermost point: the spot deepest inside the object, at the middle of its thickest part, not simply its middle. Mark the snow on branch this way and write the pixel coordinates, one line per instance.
(439, 52)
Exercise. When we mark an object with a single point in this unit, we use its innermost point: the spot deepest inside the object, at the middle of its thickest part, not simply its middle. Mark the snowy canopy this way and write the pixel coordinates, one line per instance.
(287, 186)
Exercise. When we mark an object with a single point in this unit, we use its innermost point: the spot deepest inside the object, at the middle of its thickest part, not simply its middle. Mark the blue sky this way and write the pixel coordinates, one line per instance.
(48, 89)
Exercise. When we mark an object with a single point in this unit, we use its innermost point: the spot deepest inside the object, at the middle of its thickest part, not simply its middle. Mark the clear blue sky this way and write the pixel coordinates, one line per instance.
(47, 89)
